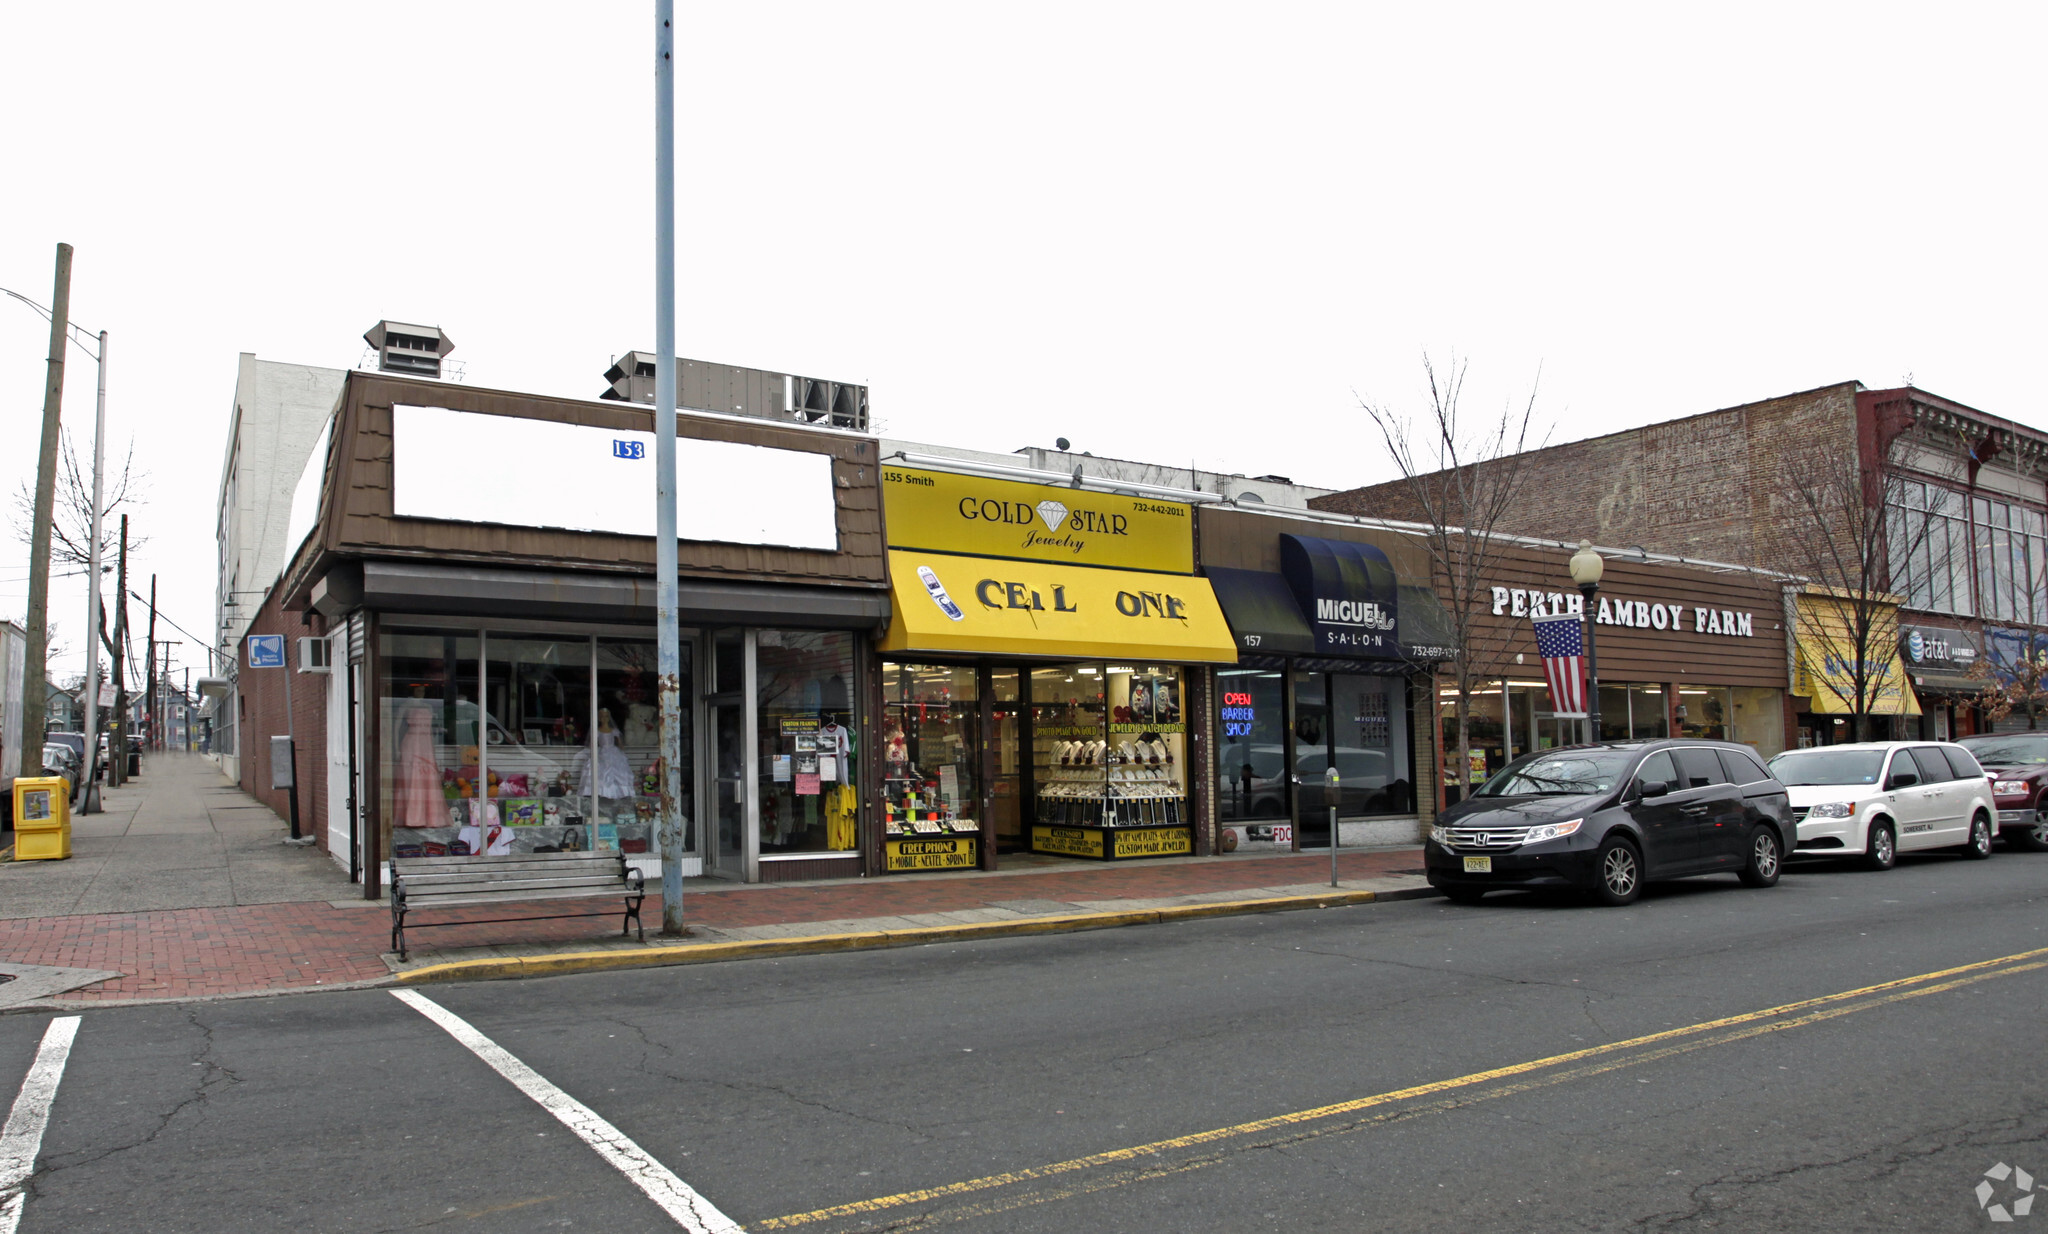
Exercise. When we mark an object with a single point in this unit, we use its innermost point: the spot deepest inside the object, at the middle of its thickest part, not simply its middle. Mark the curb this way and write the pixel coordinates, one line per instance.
(874, 940)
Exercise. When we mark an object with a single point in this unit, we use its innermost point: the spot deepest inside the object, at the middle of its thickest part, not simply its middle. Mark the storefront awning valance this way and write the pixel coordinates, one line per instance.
(410, 587)
(1262, 613)
(985, 606)
(1950, 683)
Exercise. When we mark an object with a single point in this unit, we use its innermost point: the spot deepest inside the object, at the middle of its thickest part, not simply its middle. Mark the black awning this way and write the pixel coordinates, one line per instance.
(1264, 619)
(1427, 636)
(1349, 594)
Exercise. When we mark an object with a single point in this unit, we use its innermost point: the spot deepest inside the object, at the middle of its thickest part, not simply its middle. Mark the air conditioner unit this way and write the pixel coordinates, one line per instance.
(316, 655)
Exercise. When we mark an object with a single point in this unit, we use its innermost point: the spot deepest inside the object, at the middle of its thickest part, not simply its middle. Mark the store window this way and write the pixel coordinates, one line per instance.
(1357, 724)
(1704, 712)
(1486, 725)
(1109, 745)
(806, 783)
(931, 741)
(1251, 765)
(501, 742)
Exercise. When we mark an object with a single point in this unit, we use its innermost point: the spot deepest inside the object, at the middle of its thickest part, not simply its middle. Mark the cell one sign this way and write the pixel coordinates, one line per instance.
(1617, 611)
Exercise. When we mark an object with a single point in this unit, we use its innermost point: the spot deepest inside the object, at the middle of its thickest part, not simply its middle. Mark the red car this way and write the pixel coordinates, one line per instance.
(2017, 764)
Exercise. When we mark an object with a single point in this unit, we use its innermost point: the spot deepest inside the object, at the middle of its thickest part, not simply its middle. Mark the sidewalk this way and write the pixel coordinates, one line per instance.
(181, 890)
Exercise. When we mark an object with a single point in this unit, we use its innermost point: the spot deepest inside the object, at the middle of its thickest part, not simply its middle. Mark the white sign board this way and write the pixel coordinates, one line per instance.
(469, 467)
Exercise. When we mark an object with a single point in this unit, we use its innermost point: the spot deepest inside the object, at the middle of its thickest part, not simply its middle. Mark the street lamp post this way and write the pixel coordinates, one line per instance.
(1586, 570)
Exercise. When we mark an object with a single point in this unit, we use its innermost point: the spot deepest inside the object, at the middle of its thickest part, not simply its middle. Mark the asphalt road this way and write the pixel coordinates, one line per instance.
(1163, 1078)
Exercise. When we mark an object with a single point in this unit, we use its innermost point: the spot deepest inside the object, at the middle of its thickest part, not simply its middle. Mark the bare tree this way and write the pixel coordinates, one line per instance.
(71, 528)
(1855, 537)
(1464, 476)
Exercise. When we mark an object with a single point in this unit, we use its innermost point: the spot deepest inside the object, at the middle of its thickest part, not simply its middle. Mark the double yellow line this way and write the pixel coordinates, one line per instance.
(1158, 1158)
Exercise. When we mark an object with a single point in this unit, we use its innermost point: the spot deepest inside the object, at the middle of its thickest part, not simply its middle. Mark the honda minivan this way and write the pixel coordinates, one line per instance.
(1608, 818)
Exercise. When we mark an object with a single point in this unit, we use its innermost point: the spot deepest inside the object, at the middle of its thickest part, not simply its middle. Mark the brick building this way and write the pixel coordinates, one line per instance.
(1708, 488)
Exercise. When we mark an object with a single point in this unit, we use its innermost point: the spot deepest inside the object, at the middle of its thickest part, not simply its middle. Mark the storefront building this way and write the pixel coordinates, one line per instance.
(1683, 651)
(1832, 683)
(1327, 706)
(477, 570)
(1945, 664)
(1040, 687)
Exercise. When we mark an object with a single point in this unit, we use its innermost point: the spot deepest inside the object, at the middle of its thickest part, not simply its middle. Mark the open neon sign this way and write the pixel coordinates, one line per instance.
(1238, 714)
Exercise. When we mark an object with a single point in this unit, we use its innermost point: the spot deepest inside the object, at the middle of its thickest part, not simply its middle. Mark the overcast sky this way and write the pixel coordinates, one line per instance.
(1167, 232)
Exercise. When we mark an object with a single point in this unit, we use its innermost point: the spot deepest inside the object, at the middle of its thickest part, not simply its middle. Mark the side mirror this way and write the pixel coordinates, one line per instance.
(1655, 788)
(1901, 779)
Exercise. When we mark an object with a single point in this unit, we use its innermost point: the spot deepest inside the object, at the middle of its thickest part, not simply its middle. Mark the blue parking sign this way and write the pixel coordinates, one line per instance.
(266, 651)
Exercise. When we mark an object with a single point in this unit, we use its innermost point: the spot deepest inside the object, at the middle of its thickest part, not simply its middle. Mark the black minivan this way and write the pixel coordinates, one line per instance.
(1608, 818)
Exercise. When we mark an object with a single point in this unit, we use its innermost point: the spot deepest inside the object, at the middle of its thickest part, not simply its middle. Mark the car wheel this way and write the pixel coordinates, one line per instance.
(1464, 895)
(1620, 870)
(2035, 838)
(1882, 851)
(1979, 846)
(1761, 870)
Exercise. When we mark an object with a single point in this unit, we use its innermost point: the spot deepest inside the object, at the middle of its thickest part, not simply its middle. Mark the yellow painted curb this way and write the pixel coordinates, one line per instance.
(859, 940)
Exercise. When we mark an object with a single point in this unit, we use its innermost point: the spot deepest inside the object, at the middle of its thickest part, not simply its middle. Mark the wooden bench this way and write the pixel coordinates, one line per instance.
(452, 882)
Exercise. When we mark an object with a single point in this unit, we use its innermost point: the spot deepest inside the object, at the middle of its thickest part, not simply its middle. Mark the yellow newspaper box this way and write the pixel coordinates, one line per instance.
(42, 818)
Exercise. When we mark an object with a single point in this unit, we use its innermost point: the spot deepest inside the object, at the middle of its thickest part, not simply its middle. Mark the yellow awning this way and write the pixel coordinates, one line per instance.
(1826, 671)
(984, 606)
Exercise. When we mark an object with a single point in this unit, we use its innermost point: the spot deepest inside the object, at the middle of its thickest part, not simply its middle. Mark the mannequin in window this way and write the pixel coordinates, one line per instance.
(614, 773)
(420, 801)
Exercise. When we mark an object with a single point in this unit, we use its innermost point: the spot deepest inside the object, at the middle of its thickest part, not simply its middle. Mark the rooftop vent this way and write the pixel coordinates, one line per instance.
(736, 391)
(413, 350)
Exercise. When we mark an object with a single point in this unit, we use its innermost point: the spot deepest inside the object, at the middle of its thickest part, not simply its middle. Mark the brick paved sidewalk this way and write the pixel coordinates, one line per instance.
(197, 952)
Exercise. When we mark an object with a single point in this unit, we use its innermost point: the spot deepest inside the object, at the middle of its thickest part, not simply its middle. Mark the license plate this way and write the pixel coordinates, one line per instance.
(1478, 865)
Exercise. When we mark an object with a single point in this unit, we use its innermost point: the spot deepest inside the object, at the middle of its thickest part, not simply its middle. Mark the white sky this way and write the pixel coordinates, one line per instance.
(1166, 232)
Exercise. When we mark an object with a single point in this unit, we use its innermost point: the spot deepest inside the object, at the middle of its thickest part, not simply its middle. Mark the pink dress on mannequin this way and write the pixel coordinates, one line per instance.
(420, 800)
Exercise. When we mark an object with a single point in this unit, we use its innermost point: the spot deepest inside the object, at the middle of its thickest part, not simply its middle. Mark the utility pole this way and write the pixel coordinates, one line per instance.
(35, 669)
(155, 733)
(185, 706)
(668, 634)
(117, 726)
(95, 617)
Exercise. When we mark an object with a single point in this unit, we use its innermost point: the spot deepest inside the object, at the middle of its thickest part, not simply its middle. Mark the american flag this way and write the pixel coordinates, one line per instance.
(1562, 644)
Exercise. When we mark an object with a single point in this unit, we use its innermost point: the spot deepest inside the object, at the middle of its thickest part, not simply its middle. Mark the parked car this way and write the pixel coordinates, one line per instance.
(1608, 818)
(1876, 799)
(60, 759)
(2018, 766)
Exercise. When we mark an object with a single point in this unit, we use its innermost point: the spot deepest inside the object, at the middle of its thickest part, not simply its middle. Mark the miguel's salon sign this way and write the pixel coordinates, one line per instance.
(943, 512)
(1624, 611)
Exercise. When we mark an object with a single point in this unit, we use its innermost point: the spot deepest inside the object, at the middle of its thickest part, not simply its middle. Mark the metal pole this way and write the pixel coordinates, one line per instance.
(1333, 846)
(667, 632)
(35, 677)
(1592, 667)
(91, 801)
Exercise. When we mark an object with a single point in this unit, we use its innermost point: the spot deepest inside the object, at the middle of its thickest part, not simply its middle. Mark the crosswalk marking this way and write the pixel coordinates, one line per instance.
(22, 1138)
(676, 1198)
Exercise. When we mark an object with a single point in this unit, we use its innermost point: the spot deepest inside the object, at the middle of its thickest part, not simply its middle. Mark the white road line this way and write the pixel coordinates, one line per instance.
(22, 1138)
(691, 1211)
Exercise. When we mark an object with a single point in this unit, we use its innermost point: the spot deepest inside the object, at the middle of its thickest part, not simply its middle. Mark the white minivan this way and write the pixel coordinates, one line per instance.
(1877, 799)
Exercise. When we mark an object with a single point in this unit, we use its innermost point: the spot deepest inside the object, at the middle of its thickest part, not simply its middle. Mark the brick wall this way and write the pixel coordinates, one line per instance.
(1703, 486)
(261, 708)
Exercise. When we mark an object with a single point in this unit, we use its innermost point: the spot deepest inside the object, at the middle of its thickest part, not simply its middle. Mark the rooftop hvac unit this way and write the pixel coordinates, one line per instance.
(737, 391)
(413, 350)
